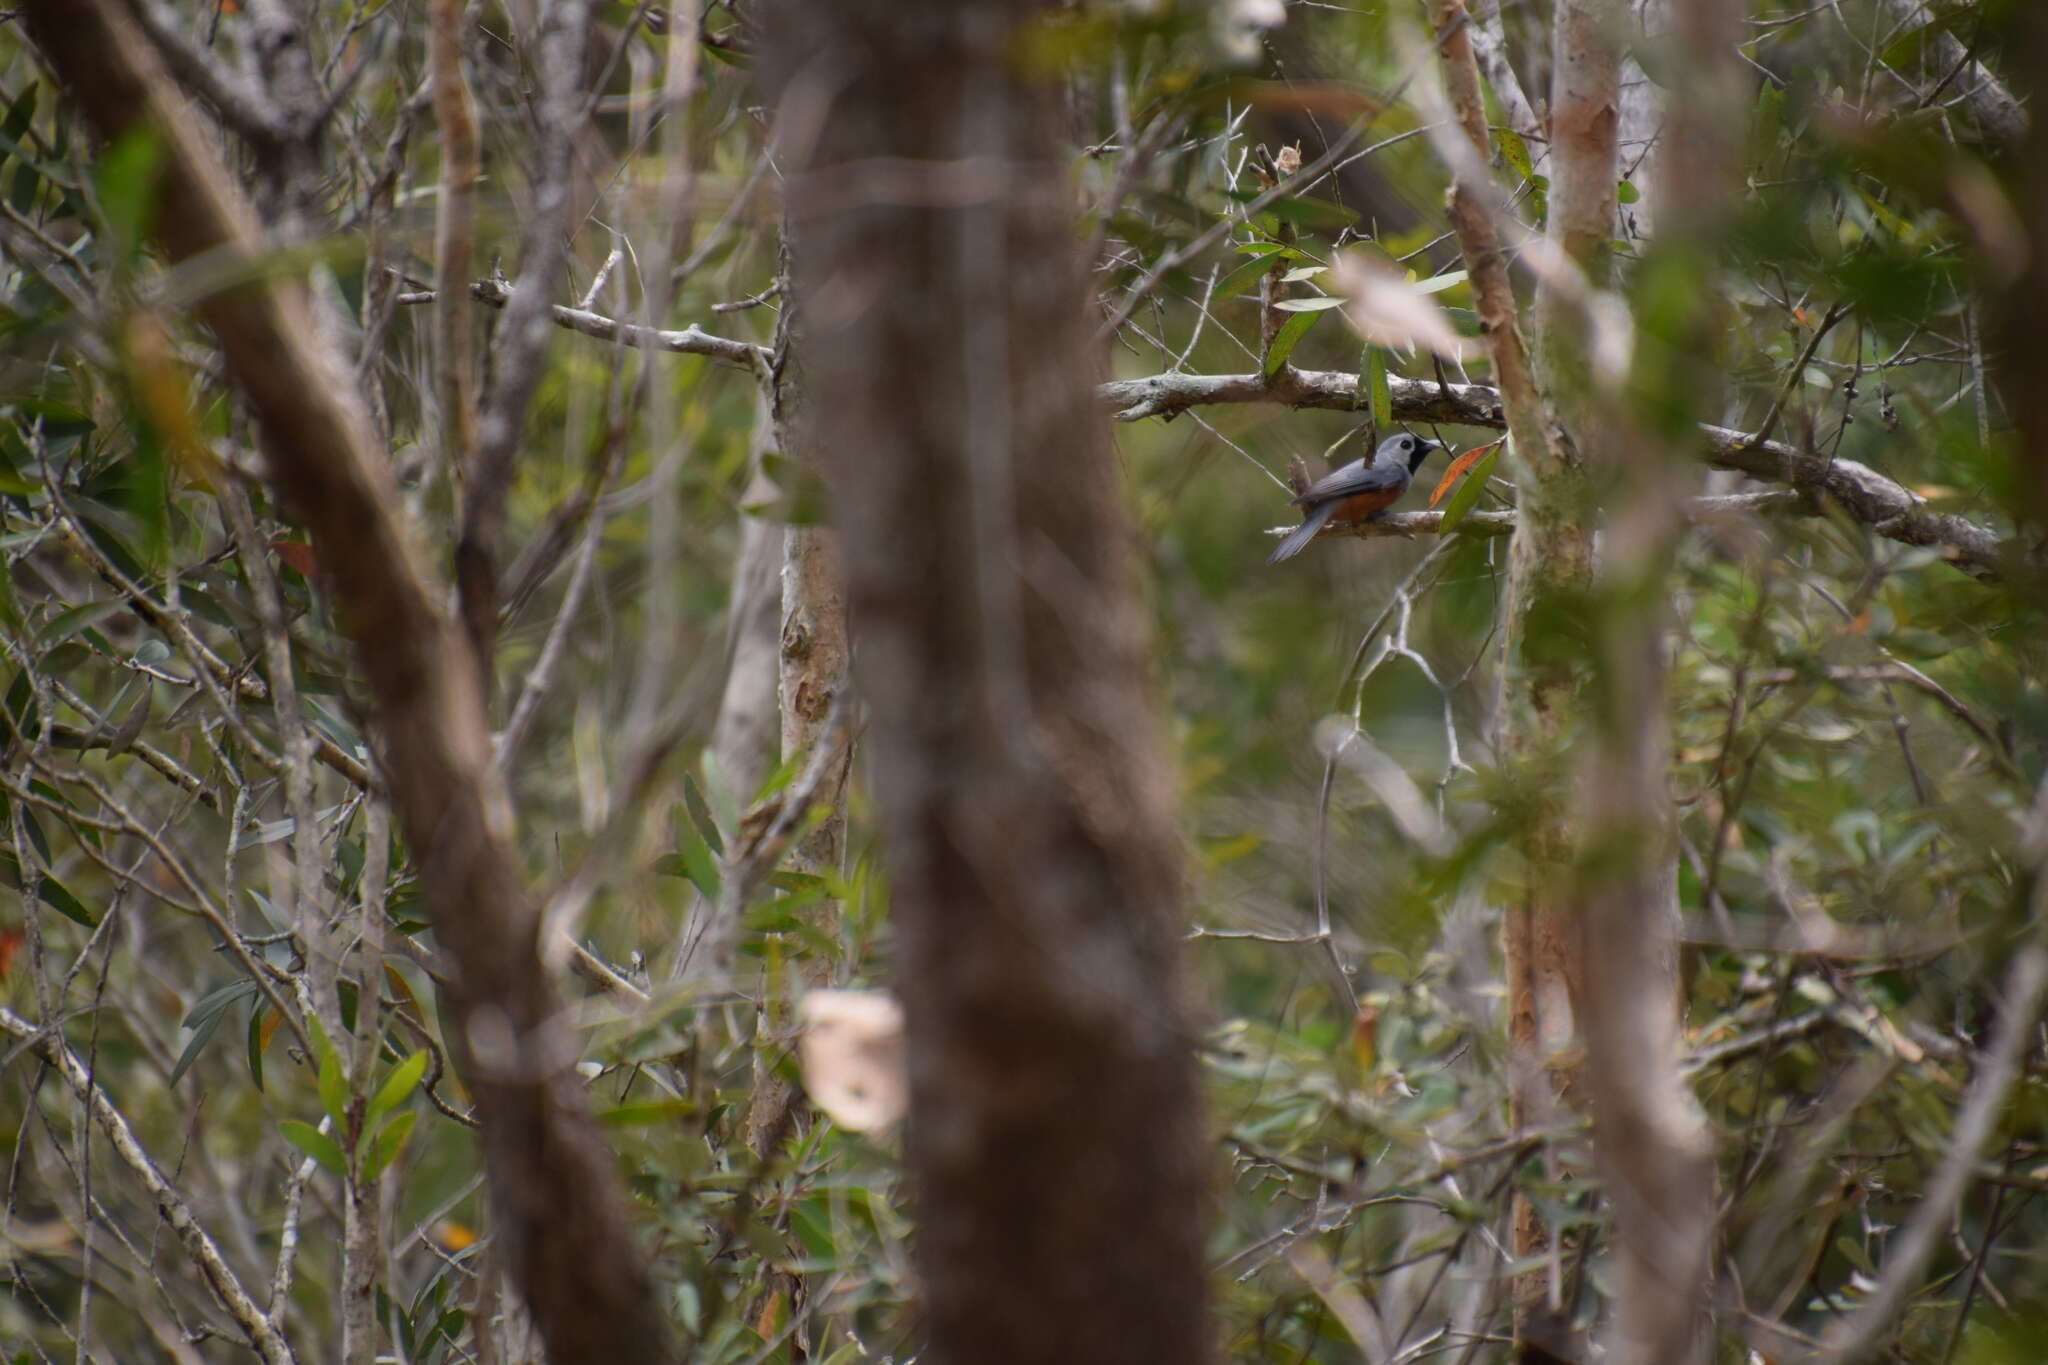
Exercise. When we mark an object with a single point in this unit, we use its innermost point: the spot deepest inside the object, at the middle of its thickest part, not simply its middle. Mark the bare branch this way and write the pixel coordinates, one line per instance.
(1997, 1068)
(524, 335)
(690, 341)
(1887, 507)
(564, 1217)
(203, 75)
(261, 1334)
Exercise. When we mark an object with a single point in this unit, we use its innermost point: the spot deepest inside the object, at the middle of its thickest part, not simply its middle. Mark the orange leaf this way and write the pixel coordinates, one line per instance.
(11, 940)
(450, 1235)
(1365, 1034)
(296, 553)
(1459, 466)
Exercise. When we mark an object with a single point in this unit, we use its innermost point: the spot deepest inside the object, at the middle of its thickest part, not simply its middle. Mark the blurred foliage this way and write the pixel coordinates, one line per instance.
(1858, 728)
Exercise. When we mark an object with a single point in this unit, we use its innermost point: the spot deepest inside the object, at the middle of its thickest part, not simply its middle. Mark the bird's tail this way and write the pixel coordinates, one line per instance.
(1303, 534)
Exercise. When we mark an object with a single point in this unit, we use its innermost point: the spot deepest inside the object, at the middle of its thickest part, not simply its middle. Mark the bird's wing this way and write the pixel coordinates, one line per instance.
(1355, 478)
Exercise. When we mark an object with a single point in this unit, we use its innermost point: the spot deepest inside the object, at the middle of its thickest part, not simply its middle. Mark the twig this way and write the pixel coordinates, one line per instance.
(257, 1329)
(1997, 1068)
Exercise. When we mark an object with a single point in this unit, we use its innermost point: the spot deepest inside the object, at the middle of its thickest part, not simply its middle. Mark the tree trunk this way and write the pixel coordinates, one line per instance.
(1549, 565)
(1034, 869)
(1655, 1158)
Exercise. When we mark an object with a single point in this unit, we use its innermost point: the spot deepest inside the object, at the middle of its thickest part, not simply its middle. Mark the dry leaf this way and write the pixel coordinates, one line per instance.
(851, 1055)
(1386, 308)
(1365, 1033)
(296, 553)
(1458, 467)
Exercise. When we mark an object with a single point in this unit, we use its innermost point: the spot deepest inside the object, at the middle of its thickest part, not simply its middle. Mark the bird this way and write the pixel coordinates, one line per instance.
(1360, 491)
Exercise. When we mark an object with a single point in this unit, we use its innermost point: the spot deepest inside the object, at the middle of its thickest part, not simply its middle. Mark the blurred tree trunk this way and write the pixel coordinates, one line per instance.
(1055, 1139)
(1549, 567)
(1654, 1157)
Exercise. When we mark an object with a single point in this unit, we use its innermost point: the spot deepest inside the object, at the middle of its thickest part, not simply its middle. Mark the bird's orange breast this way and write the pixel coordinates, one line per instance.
(1363, 506)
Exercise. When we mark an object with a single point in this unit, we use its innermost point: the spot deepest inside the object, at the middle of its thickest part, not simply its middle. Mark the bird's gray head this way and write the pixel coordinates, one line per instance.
(1405, 449)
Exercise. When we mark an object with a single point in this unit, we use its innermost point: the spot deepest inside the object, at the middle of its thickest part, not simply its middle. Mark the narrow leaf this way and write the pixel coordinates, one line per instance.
(1291, 331)
(201, 1036)
(1244, 276)
(1467, 496)
(315, 1144)
(396, 1090)
(388, 1144)
(1458, 466)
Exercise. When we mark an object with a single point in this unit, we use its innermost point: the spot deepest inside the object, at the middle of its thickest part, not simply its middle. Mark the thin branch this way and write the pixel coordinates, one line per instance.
(523, 339)
(261, 1334)
(690, 341)
(201, 75)
(563, 1215)
(1997, 1068)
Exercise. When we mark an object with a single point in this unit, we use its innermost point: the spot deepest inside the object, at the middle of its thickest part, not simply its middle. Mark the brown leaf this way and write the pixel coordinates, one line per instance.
(1365, 1033)
(296, 553)
(1458, 467)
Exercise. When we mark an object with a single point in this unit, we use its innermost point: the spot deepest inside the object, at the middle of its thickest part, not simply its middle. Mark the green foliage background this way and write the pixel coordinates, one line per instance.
(1858, 728)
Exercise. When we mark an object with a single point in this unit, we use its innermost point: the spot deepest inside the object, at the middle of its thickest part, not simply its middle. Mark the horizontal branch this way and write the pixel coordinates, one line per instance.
(1415, 400)
(690, 340)
(1501, 523)
(1885, 506)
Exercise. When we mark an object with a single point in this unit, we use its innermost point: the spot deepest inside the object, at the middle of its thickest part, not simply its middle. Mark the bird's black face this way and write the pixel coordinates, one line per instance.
(1409, 449)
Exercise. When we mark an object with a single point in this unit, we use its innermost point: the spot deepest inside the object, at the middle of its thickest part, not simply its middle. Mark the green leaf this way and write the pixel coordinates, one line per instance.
(333, 1086)
(315, 1144)
(1466, 495)
(387, 1144)
(49, 891)
(1320, 303)
(126, 180)
(644, 1115)
(1382, 390)
(54, 895)
(66, 624)
(700, 814)
(1625, 192)
(1436, 284)
(1312, 213)
(22, 193)
(255, 1045)
(693, 860)
(1291, 332)
(217, 1002)
(66, 657)
(1246, 275)
(396, 1090)
(204, 1019)
(1515, 152)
